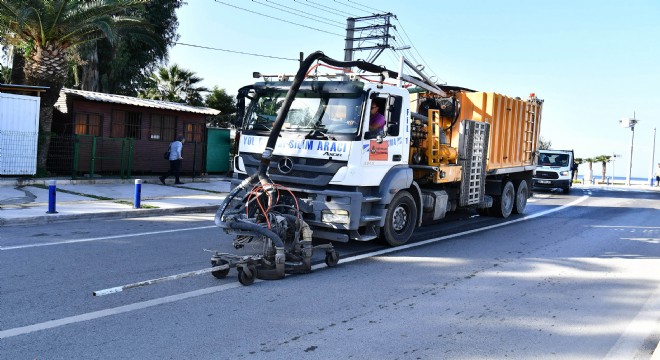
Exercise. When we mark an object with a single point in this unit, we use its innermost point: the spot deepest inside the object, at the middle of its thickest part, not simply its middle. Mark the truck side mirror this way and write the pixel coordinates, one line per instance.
(393, 129)
(394, 104)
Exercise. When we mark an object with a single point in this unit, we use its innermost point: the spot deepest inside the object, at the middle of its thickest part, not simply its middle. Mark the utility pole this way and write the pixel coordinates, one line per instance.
(379, 29)
(348, 46)
(652, 160)
(631, 124)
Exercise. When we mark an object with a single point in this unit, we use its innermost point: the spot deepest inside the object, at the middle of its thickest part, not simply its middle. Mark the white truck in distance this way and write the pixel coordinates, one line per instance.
(555, 170)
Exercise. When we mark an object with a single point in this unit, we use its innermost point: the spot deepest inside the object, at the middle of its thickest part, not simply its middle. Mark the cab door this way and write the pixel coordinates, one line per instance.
(384, 149)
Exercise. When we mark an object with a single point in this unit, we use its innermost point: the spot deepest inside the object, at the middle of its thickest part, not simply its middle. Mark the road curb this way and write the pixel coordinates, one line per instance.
(124, 214)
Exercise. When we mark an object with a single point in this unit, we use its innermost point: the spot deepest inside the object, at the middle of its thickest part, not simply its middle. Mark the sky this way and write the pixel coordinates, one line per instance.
(592, 62)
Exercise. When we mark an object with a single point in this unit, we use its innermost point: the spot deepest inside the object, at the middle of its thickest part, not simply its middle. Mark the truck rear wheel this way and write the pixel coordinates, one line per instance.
(503, 205)
(400, 220)
(521, 197)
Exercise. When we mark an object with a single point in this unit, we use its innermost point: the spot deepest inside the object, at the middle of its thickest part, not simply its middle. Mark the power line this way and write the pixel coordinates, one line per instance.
(353, 7)
(323, 8)
(365, 6)
(275, 18)
(289, 12)
(304, 12)
(236, 52)
(414, 47)
(327, 7)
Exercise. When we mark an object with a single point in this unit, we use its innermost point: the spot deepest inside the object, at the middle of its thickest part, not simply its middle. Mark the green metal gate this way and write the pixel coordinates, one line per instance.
(104, 155)
(217, 155)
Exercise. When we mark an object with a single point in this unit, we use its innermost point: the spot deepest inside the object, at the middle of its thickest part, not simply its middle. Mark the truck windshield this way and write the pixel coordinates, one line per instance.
(309, 113)
(548, 159)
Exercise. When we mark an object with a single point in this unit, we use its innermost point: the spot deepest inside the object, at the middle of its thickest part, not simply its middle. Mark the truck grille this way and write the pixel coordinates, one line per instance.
(546, 175)
(308, 171)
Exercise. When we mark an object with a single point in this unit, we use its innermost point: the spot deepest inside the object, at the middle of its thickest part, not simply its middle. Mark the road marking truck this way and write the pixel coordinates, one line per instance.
(441, 148)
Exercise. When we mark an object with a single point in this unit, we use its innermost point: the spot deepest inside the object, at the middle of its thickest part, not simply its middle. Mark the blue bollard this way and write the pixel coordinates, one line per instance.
(52, 194)
(138, 192)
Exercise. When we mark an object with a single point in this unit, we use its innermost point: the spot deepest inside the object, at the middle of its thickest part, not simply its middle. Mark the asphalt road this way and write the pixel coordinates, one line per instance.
(577, 277)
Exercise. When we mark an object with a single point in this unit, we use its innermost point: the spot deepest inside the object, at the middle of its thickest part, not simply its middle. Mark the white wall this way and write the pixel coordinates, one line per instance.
(19, 132)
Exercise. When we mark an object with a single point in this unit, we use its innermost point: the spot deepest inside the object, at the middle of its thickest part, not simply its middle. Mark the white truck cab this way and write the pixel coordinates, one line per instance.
(555, 169)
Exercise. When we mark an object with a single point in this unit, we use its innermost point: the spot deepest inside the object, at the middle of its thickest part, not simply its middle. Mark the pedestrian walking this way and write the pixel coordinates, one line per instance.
(657, 175)
(175, 159)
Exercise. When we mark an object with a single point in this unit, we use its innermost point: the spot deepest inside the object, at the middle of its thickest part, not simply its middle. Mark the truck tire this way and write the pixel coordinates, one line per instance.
(400, 220)
(522, 193)
(566, 189)
(503, 204)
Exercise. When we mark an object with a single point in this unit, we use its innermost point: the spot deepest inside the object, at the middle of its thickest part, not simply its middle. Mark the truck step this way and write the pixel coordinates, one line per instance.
(371, 199)
(369, 218)
(367, 237)
(370, 233)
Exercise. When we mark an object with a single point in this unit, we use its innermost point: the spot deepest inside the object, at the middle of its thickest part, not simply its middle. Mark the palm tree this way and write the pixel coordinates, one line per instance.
(577, 161)
(174, 84)
(49, 33)
(590, 161)
(603, 159)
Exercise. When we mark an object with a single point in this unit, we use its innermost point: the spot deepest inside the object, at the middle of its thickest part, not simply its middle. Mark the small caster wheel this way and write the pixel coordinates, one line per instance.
(246, 274)
(331, 258)
(219, 274)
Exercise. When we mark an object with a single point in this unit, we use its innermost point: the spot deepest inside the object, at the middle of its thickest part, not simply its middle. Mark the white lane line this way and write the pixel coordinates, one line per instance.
(638, 329)
(168, 299)
(113, 311)
(16, 247)
(430, 241)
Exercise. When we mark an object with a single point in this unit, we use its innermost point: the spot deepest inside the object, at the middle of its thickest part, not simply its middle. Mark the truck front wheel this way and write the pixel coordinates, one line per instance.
(401, 219)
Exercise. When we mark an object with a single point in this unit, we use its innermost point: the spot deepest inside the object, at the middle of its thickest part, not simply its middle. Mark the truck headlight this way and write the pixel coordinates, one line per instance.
(335, 216)
(563, 173)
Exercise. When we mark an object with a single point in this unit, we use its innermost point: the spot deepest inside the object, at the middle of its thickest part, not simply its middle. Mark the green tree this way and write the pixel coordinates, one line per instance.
(123, 69)
(219, 99)
(590, 162)
(49, 33)
(544, 144)
(578, 161)
(174, 84)
(5, 74)
(5, 70)
(603, 159)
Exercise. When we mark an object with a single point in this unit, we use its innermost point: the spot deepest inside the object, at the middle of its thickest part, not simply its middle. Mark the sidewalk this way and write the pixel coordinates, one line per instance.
(27, 202)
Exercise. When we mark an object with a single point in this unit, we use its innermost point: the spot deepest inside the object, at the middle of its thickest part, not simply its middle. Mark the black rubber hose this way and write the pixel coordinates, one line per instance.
(419, 116)
(245, 226)
(232, 194)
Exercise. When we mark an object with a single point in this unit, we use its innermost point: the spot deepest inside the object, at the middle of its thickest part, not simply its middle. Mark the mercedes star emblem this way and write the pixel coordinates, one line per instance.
(285, 166)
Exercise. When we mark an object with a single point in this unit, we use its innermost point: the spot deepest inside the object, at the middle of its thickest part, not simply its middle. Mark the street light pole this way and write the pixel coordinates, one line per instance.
(632, 142)
(614, 156)
(631, 124)
(652, 160)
